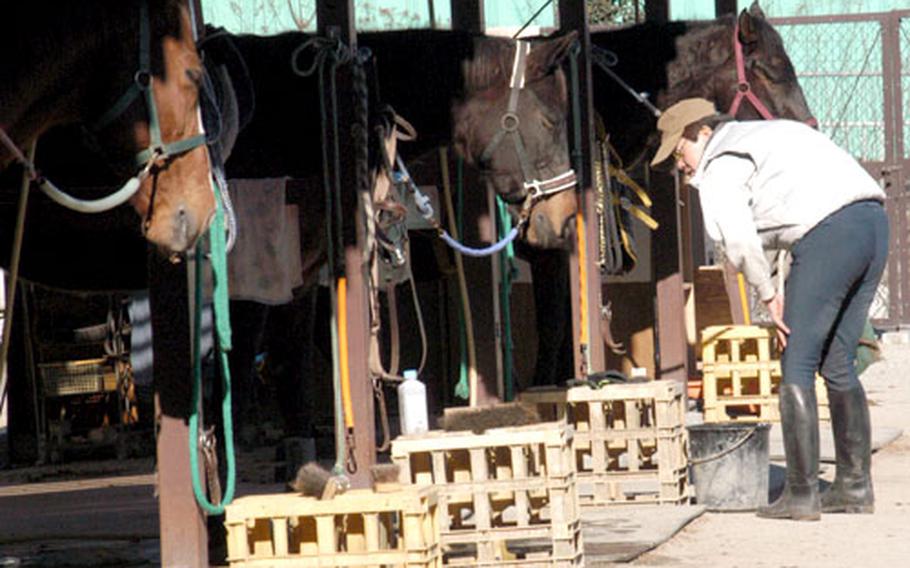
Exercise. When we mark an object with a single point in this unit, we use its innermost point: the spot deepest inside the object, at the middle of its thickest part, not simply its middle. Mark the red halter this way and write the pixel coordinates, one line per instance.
(744, 90)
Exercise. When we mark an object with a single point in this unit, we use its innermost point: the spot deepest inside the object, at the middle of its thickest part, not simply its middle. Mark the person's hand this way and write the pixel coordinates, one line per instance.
(776, 308)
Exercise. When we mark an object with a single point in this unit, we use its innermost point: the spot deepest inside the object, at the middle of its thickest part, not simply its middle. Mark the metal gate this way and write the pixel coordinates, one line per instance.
(855, 72)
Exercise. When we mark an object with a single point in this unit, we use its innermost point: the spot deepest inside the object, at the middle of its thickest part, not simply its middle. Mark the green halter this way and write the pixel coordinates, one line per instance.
(142, 84)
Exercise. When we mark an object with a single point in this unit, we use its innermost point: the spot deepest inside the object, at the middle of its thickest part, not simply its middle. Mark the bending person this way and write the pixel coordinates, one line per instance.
(781, 184)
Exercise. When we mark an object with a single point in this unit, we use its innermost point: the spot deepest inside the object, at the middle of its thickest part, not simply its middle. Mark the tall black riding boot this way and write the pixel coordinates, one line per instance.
(852, 488)
(799, 422)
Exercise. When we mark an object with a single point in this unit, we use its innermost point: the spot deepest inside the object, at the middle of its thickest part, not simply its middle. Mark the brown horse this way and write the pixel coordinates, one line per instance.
(511, 124)
(129, 71)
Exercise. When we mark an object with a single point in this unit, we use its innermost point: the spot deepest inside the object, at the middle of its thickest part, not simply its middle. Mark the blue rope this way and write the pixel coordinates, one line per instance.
(486, 251)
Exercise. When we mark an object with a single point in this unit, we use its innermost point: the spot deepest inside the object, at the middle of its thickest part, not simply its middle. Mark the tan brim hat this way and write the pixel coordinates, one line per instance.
(675, 119)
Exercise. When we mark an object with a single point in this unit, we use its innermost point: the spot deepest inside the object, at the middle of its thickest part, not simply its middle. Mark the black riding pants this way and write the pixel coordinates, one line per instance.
(836, 269)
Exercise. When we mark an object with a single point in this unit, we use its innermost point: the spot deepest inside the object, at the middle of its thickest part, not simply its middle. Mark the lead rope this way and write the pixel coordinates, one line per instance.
(426, 211)
(507, 271)
(222, 327)
(472, 378)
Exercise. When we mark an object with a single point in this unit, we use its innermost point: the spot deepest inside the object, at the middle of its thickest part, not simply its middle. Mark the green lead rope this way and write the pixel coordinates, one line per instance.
(462, 390)
(222, 346)
(507, 269)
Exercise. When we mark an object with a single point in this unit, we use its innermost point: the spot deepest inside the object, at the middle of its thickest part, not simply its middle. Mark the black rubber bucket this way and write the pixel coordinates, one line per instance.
(729, 464)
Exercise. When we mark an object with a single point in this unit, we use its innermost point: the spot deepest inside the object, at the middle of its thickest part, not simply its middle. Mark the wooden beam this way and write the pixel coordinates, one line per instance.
(468, 15)
(657, 11)
(337, 14)
(724, 7)
(573, 15)
(184, 539)
(337, 17)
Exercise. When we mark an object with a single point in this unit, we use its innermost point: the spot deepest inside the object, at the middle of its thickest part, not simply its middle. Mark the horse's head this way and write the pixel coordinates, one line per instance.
(707, 65)
(176, 199)
(768, 69)
(511, 123)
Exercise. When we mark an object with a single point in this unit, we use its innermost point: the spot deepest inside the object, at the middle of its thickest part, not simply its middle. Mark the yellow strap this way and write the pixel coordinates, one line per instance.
(630, 250)
(747, 317)
(343, 352)
(623, 177)
(582, 278)
(638, 213)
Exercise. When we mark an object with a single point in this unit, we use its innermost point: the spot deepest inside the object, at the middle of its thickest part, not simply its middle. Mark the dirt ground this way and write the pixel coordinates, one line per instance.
(882, 539)
(97, 511)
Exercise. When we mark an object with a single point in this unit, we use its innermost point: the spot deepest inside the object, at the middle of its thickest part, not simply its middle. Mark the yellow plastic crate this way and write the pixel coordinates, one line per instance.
(629, 440)
(357, 528)
(741, 369)
(509, 494)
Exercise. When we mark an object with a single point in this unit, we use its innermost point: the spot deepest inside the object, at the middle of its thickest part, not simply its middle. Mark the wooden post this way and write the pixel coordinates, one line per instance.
(657, 11)
(184, 540)
(666, 251)
(467, 15)
(724, 7)
(337, 17)
(183, 530)
(573, 16)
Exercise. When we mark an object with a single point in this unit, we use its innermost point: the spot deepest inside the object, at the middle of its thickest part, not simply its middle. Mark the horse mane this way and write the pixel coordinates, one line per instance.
(703, 49)
(490, 66)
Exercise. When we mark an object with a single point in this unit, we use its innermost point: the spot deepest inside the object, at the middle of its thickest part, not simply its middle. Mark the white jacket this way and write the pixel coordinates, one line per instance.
(765, 184)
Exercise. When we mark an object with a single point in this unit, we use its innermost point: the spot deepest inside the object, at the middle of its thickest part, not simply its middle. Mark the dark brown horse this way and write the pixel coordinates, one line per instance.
(128, 72)
(421, 83)
(669, 61)
(677, 60)
(511, 124)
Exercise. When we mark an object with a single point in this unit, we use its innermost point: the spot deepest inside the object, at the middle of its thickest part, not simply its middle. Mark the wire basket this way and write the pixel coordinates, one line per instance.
(86, 376)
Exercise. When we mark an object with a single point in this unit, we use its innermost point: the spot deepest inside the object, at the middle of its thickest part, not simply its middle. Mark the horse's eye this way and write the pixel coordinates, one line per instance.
(547, 122)
(776, 70)
(195, 75)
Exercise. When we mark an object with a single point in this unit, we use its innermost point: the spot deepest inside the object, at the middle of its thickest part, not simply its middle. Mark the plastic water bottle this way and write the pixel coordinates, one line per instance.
(412, 404)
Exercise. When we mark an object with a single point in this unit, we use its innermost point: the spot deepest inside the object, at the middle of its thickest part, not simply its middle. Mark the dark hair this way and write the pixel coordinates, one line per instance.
(713, 122)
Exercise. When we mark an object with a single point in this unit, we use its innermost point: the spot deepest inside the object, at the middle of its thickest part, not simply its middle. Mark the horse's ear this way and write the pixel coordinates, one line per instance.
(756, 11)
(748, 32)
(546, 56)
